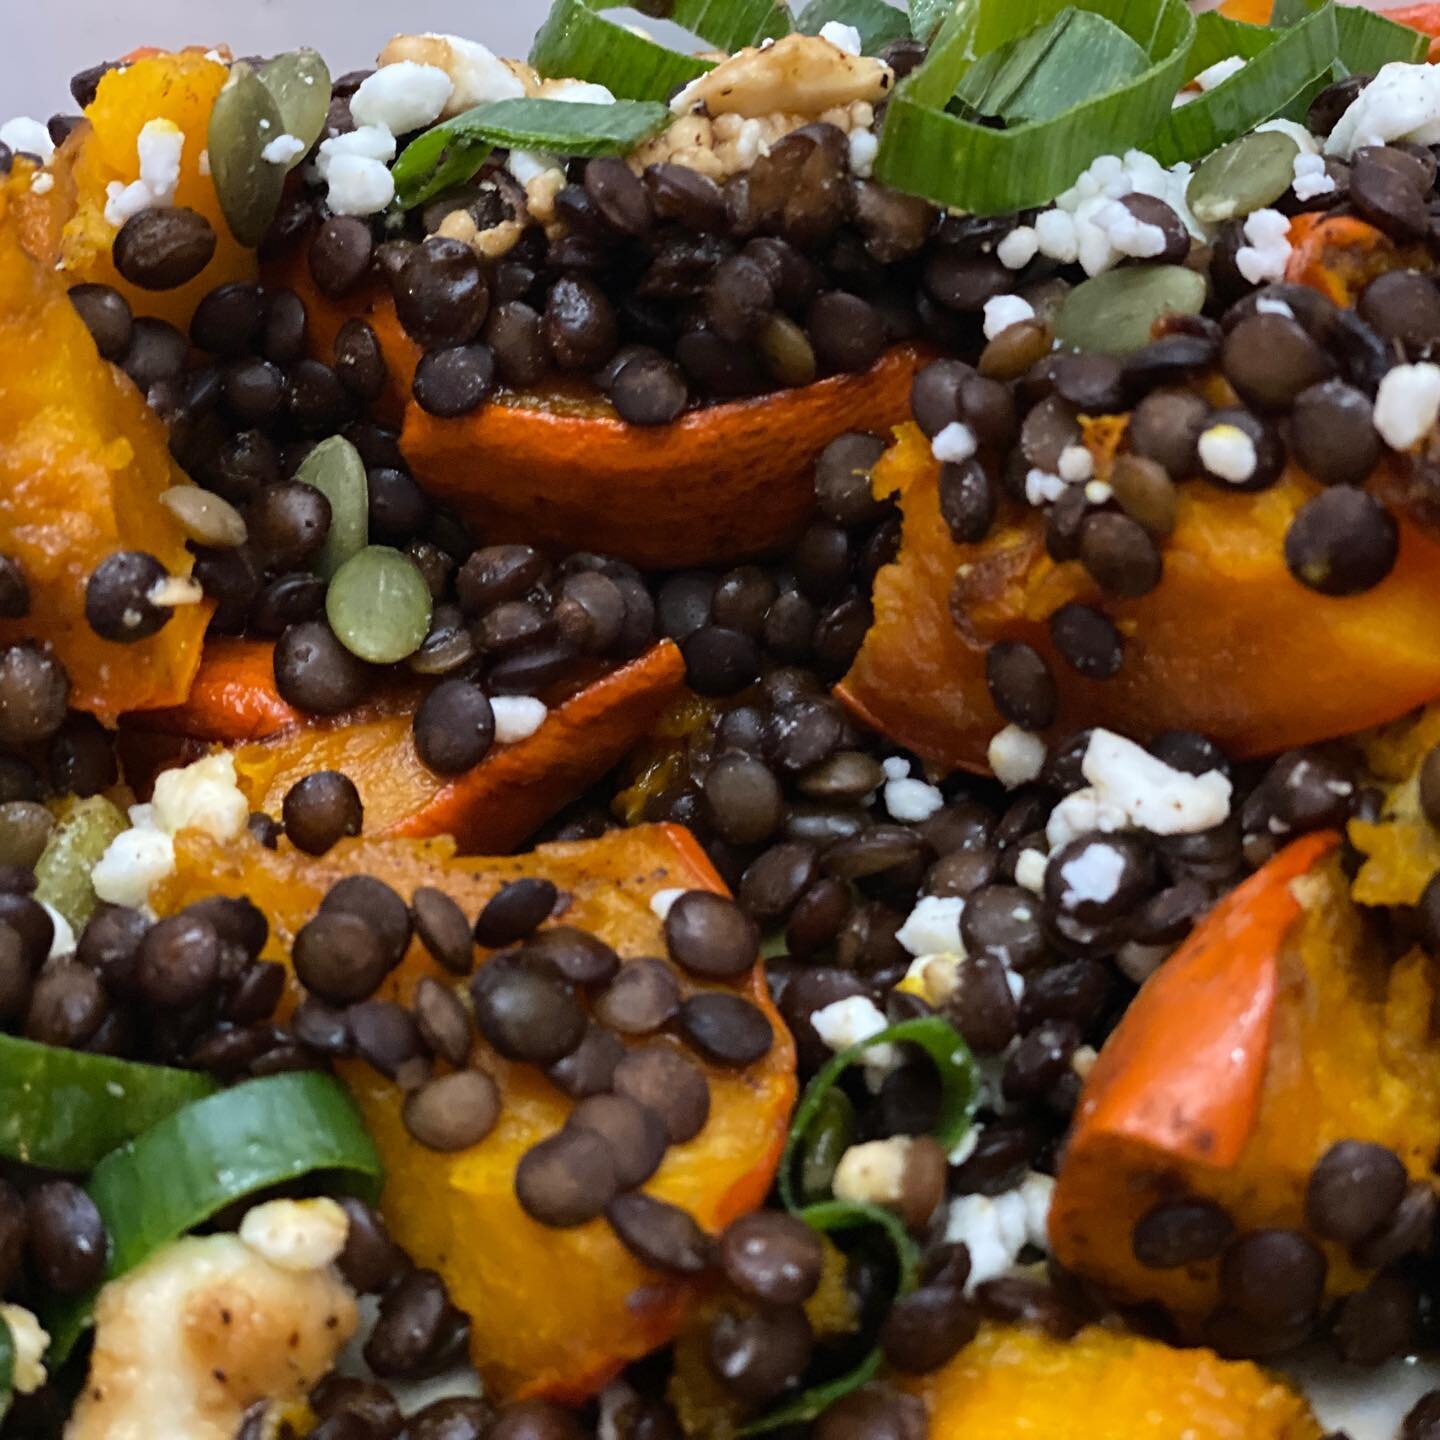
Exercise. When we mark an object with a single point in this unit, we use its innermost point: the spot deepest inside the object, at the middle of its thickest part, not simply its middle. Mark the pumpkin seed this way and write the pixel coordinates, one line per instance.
(62, 874)
(831, 1132)
(299, 83)
(243, 121)
(1247, 174)
(1112, 314)
(206, 518)
(335, 469)
(378, 605)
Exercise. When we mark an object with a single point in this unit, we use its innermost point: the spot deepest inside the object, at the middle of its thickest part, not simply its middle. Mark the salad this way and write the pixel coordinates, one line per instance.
(731, 743)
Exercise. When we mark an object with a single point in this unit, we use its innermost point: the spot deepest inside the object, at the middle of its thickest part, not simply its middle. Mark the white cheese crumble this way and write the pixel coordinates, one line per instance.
(1030, 867)
(1267, 251)
(1402, 102)
(995, 1229)
(30, 1343)
(62, 941)
(1016, 756)
(477, 74)
(1043, 488)
(1311, 178)
(909, 801)
(842, 37)
(402, 97)
(29, 136)
(42, 183)
(283, 149)
(517, 717)
(135, 862)
(203, 164)
(158, 147)
(662, 900)
(1407, 404)
(1228, 453)
(1130, 786)
(1018, 248)
(844, 1023)
(954, 444)
(359, 186)
(1219, 72)
(296, 1234)
(1092, 876)
(1097, 492)
(933, 926)
(1003, 311)
(370, 142)
(1076, 464)
(1304, 140)
(864, 146)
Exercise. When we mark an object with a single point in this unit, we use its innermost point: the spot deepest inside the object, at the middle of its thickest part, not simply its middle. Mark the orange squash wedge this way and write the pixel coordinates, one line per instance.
(491, 808)
(1228, 643)
(1280, 1027)
(83, 463)
(554, 1312)
(560, 470)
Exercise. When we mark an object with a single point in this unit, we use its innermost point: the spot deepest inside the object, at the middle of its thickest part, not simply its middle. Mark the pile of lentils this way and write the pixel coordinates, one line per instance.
(667, 291)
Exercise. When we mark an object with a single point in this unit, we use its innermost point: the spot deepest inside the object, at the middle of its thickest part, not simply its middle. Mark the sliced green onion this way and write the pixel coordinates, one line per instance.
(877, 22)
(927, 16)
(959, 1088)
(1282, 70)
(67, 1110)
(838, 1215)
(1064, 63)
(927, 151)
(193, 1164)
(575, 41)
(451, 153)
(7, 1367)
(1368, 41)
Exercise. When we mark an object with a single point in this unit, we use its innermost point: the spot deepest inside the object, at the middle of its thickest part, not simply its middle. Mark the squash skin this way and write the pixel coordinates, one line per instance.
(491, 808)
(1104, 1385)
(556, 1313)
(1297, 667)
(83, 463)
(1277, 1029)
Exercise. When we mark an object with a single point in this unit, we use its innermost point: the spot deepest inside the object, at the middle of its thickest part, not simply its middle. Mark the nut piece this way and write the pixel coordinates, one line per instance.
(801, 73)
(905, 1174)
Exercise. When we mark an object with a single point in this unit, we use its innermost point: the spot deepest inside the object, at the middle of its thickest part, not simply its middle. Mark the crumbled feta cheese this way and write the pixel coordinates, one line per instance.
(528, 165)
(203, 164)
(662, 900)
(477, 74)
(283, 149)
(1311, 178)
(1097, 492)
(954, 444)
(42, 183)
(933, 926)
(359, 186)
(159, 148)
(1270, 305)
(911, 801)
(934, 978)
(28, 136)
(1018, 248)
(1402, 102)
(896, 767)
(1076, 463)
(203, 796)
(133, 862)
(1127, 234)
(1152, 795)
(873, 1173)
(62, 941)
(1093, 875)
(296, 1234)
(995, 1229)
(864, 147)
(517, 717)
(842, 37)
(1043, 488)
(1003, 311)
(1228, 453)
(1219, 72)
(1055, 236)
(1407, 404)
(371, 142)
(1267, 252)
(576, 92)
(29, 1344)
(1079, 812)
(1030, 866)
(844, 1023)
(1303, 139)
(402, 97)
(1016, 756)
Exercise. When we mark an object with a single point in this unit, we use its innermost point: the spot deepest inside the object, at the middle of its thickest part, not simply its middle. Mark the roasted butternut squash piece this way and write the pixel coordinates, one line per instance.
(1279, 1028)
(554, 1312)
(1401, 848)
(1228, 643)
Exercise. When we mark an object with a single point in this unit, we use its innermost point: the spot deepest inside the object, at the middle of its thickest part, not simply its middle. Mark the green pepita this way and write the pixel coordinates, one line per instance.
(378, 605)
(206, 518)
(335, 469)
(1112, 314)
(1245, 175)
(244, 120)
(62, 874)
(299, 82)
